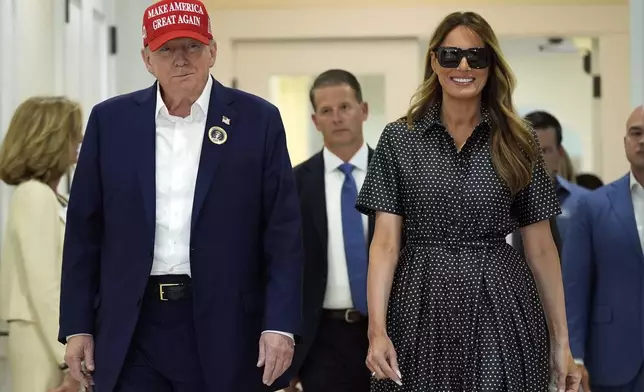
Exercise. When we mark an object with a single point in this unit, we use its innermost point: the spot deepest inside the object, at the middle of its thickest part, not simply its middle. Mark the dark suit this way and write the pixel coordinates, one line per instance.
(517, 239)
(324, 373)
(603, 274)
(245, 248)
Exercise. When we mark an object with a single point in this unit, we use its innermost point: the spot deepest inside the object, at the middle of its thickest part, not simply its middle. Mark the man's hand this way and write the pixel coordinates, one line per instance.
(293, 386)
(68, 385)
(275, 354)
(80, 349)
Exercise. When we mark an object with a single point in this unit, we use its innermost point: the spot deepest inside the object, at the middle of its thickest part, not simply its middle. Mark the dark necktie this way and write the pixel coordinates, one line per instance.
(355, 246)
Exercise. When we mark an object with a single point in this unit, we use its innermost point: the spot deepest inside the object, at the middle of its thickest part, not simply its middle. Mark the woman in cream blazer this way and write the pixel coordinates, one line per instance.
(38, 150)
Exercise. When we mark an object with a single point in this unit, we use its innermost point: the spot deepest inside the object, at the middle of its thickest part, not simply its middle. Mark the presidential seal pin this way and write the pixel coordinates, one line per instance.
(217, 135)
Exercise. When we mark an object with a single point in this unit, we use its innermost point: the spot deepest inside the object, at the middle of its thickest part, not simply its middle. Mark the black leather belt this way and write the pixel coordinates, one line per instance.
(170, 287)
(348, 315)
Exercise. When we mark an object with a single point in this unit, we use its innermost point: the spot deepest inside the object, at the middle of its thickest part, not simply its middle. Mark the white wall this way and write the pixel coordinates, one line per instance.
(637, 52)
(131, 74)
(557, 83)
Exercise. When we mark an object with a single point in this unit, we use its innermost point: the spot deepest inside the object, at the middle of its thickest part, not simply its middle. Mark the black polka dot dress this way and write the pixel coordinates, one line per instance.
(464, 311)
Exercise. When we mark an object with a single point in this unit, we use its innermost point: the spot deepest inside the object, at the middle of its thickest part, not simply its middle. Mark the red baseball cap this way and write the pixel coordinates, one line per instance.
(166, 20)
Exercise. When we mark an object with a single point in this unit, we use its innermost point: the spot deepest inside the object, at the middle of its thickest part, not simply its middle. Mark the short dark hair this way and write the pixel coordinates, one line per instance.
(542, 120)
(334, 77)
(589, 181)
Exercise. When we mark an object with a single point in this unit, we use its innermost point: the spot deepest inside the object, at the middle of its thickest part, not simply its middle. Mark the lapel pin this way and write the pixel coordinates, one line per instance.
(217, 135)
(225, 120)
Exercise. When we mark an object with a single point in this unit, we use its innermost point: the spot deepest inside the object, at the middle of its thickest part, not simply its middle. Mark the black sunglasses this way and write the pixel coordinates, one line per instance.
(450, 57)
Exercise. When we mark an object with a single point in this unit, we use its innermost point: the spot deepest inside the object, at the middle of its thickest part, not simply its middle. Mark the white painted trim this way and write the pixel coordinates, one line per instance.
(637, 52)
(110, 12)
(7, 63)
(7, 107)
(58, 42)
(8, 95)
(405, 22)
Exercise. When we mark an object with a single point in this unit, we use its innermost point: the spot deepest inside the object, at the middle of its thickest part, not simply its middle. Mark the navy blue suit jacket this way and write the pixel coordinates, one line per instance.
(246, 247)
(603, 273)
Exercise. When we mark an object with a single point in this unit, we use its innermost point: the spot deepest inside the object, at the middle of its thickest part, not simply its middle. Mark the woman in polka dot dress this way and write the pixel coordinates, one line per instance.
(458, 309)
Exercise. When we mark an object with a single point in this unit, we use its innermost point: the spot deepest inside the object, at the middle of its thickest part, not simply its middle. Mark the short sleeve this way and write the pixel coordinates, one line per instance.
(381, 190)
(538, 200)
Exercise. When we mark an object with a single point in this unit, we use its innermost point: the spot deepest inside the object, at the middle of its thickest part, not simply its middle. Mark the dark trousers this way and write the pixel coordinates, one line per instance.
(163, 354)
(336, 360)
(636, 385)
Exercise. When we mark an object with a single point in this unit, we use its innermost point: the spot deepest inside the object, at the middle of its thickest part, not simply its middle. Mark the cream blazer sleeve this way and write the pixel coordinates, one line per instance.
(39, 232)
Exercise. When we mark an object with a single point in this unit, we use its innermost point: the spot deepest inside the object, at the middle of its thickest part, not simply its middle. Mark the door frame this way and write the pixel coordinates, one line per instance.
(258, 62)
(88, 75)
(374, 56)
(88, 10)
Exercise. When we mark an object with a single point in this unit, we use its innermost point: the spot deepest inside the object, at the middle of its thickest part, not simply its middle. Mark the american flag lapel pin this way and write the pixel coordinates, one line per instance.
(225, 120)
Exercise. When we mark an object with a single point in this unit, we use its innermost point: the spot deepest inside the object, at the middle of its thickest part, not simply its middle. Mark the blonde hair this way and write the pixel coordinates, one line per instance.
(514, 148)
(566, 168)
(38, 144)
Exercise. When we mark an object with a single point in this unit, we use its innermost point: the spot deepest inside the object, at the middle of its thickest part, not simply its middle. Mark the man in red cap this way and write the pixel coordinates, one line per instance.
(183, 259)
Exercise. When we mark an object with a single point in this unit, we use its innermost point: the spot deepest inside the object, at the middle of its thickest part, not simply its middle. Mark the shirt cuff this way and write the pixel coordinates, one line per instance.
(290, 335)
(77, 334)
(579, 361)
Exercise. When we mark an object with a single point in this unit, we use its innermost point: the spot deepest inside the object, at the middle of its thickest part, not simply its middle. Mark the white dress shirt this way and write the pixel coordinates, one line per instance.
(338, 290)
(178, 149)
(637, 195)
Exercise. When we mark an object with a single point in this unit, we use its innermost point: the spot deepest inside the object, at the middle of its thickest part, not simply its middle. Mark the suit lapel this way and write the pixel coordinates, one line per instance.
(622, 203)
(318, 199)
(146, 151)
(222, 115)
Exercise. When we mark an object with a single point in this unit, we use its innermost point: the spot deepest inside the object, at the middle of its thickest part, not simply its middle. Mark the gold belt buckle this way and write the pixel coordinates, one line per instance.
(164, 285)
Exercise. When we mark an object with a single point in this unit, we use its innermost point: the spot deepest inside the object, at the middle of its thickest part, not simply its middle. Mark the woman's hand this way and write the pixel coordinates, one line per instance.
(382, 360)
(566, 371)
(68, 385)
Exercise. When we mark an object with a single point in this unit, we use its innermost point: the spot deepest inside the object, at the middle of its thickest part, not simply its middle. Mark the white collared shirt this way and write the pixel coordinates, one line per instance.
(178, 149)
(637, 195)
(338, 291)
